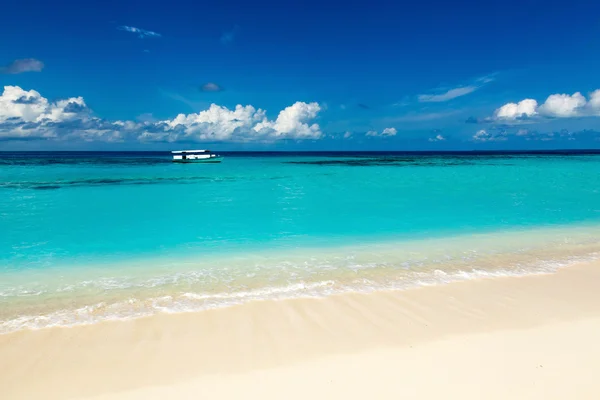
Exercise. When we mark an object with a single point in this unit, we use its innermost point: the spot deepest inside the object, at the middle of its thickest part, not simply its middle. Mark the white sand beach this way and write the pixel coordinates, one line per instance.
(532, 337)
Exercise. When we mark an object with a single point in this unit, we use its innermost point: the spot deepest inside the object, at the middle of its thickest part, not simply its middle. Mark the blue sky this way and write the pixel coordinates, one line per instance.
(307, 75)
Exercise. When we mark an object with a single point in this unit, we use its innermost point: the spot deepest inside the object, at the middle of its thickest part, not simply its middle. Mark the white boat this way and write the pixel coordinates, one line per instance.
(196, 156)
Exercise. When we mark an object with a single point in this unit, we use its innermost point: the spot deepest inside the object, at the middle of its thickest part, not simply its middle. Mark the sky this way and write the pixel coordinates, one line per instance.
(311, 75)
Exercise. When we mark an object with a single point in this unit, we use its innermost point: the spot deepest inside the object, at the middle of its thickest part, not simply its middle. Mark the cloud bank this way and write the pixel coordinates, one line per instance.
(555, 106)
(26, 115)
(506, 132)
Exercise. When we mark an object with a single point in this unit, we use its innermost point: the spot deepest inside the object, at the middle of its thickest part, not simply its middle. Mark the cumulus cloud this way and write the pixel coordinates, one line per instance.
(563, 105)
(211, 87)
(22, 65)
(386, 132)
(389, 132)
(216, 123)
(30, 106)
(142, 33)
(522, 109)
(347, 135)
(555, 106)
(27, 114)
(592, 105)
(594, 102)
(484, 135)
(293, 121)
(437, 138)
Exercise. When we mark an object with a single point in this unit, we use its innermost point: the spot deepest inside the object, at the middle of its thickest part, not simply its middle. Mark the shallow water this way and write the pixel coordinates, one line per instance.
(93, 236)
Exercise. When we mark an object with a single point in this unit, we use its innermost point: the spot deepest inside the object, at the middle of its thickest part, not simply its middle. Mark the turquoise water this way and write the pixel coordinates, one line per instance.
(79, 230)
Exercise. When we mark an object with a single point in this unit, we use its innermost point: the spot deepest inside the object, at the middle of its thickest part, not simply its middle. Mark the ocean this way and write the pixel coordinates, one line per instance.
(89, 236)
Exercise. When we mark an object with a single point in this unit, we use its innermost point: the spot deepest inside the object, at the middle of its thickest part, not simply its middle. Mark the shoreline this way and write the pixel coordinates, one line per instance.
(195, 351)
(41, 299)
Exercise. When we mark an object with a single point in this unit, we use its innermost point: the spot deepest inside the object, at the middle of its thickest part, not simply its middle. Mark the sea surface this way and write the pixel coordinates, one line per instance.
(88, 237)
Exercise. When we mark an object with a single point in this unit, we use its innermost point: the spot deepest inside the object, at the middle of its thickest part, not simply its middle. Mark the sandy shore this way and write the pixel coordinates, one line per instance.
(534, 337)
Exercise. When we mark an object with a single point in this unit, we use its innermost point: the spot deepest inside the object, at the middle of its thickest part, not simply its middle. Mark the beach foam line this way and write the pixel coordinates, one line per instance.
(42, 298)
(125, 307)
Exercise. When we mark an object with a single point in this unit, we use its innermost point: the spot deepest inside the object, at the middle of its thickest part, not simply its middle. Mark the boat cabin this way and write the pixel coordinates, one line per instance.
(195, 156)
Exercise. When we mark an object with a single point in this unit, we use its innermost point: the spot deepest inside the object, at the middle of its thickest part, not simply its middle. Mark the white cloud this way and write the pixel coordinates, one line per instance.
(389, 132)
(448, 95)
(523, 108)
(293, 122)
(563, 105)
(555, 106)
(27, 114)
(30, 106)
(68, 109)
(487, 78)
(438, 138)
(459, 91)
(216, 123)
(142, 33)
(385, 132)
(594, 102)
(483, 135)
(347, 135)
(25, 105)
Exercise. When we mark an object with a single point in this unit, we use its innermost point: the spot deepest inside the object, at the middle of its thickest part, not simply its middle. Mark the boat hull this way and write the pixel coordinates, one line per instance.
(211, 160)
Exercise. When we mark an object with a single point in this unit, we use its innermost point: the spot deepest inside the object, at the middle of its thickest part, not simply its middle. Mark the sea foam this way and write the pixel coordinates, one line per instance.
(191, 287)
